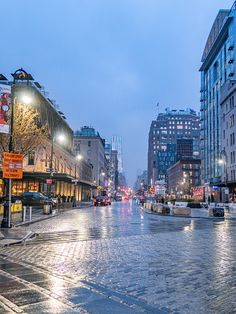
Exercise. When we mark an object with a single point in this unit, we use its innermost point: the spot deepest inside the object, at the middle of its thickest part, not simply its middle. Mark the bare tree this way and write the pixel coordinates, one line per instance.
(28, 132)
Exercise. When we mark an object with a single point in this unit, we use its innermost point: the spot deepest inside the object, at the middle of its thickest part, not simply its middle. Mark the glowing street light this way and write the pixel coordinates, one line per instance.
(79, 157)
(25, 99)
(60, 138)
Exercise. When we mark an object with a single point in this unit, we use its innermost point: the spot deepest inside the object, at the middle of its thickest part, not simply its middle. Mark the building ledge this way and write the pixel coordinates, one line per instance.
(223, 34)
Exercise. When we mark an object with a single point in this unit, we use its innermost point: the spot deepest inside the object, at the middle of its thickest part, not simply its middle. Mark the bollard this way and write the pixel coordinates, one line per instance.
(23, 213)
(30, 213)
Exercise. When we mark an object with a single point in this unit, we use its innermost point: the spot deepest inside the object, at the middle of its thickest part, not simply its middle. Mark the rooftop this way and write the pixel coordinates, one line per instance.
(87, 131)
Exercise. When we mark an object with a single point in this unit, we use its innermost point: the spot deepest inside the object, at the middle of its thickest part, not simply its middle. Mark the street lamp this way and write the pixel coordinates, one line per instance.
(79, 158)
(18, 75)
(60, 138)
(223, 161)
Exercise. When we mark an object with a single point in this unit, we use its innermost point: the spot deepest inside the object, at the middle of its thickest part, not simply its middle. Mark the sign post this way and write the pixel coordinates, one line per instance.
(12, 168)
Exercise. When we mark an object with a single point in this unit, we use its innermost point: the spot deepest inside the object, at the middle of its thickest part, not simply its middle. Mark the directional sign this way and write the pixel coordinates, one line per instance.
(75, 180)
(99, 187)
(12, 166)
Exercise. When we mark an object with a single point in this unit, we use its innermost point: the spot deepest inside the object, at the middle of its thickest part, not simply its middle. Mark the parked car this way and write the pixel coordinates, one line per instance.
(36, 199)
(101, 201)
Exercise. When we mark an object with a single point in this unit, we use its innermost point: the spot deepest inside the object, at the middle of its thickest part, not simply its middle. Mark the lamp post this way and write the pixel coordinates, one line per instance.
(18, 75)
(224, 162)
(78, 157)
(55, 138)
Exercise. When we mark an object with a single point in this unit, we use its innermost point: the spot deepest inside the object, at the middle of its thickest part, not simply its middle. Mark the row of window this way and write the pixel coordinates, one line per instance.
(232, 157)
(232, 139)
(229, 106)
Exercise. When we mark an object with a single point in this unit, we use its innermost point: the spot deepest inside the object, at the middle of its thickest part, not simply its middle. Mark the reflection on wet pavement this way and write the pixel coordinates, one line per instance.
(119, 220)
(118, 259)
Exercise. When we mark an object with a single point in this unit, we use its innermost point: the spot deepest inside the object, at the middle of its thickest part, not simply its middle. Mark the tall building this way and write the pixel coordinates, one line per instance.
(217, 69)
(114, 169)
(117, 145)
(91, 146)
(184, 148)
(183, 176)
(141, 182)
(164, 132)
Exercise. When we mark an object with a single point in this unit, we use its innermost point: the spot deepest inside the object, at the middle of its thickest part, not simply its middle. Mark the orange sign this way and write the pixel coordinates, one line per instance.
(12, 166)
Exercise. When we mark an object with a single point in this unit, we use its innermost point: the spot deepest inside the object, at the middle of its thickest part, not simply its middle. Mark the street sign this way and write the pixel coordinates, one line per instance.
(49, 181)
(12, 166)
(75, 180)
(99, 187)
(50, 170)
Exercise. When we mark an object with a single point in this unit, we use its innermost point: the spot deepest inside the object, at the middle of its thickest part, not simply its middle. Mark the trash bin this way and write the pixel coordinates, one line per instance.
(46, 208)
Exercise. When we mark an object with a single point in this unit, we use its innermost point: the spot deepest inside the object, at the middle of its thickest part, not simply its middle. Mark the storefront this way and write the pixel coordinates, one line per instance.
(58, 184)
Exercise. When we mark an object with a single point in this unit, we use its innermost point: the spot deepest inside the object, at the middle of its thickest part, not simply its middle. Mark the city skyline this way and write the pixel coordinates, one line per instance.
(116, 63)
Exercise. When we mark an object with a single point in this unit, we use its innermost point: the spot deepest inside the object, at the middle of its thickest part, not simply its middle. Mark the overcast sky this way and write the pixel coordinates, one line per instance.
(108, 62)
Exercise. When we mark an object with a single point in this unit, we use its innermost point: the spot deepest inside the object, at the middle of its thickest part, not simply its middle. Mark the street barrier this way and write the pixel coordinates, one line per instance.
(24, 214)
(15, 208)
(181, 211)
(216, 211)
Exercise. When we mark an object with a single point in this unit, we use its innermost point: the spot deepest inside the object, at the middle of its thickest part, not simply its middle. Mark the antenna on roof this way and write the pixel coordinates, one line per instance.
(158, 105)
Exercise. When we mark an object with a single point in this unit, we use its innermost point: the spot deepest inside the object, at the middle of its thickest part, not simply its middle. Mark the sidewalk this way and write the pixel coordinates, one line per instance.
(16, 234)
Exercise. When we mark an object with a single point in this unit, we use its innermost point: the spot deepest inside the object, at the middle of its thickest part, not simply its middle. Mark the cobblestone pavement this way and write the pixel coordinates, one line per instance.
(119, 259)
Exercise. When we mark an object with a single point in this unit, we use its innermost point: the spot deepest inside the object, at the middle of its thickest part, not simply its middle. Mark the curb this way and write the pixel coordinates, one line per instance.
(186, 217)
(26, 223)
(8, 242)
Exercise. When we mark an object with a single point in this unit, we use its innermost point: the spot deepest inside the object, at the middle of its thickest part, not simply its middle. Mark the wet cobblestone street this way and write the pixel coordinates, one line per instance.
(118, 259)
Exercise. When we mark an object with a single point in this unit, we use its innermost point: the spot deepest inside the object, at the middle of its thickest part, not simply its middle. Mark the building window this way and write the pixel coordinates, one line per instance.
(232, 175)
(231, 102)
(215, 71)
(232, 120)
(89, 143)
(31, 157)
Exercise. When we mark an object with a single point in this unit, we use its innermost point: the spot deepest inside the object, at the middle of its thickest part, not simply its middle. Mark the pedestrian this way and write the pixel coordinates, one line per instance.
(63, 198)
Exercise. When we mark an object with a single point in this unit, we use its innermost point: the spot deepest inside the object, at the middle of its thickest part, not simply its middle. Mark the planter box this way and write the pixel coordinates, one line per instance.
(216, 211)
(181, 211)
(163, 209)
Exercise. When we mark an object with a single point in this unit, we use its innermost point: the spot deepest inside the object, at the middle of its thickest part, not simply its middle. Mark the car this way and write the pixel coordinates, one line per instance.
(108, 199)
(118, 198)
(101, 201)
(125, 198)
(36, 199)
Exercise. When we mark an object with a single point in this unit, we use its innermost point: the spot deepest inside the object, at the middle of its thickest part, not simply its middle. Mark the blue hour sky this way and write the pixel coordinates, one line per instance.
(108, 62)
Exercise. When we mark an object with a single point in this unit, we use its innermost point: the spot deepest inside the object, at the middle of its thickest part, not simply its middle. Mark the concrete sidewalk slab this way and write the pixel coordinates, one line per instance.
(11, 236)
